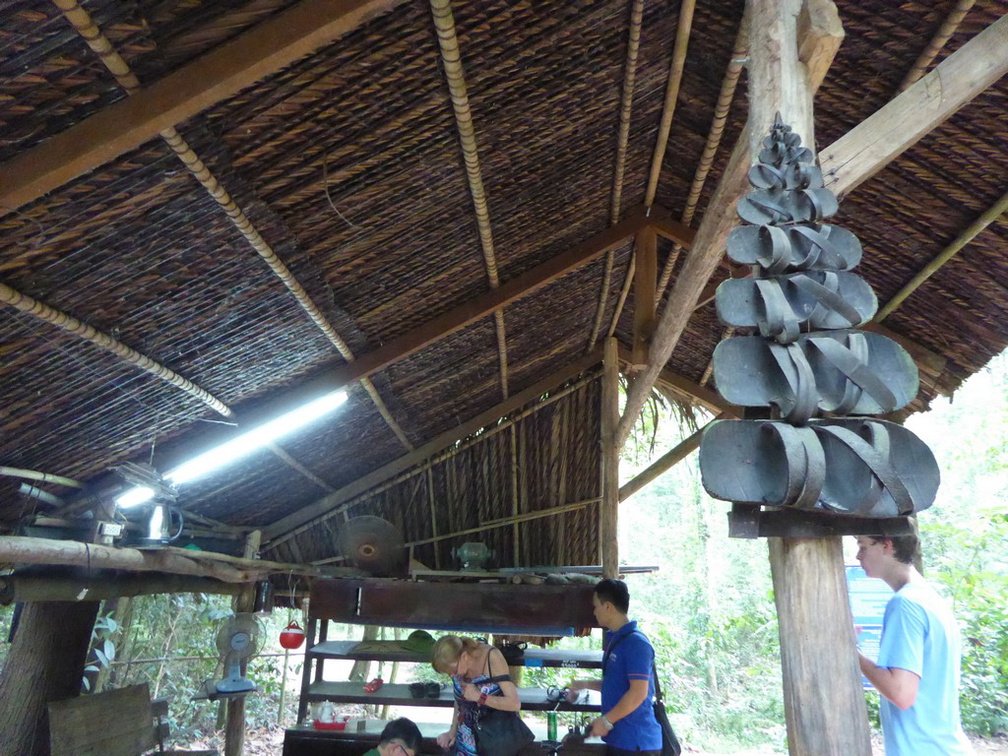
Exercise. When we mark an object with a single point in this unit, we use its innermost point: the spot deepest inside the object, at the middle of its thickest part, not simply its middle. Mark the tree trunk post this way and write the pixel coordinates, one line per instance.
(45, 663)
(823, 701)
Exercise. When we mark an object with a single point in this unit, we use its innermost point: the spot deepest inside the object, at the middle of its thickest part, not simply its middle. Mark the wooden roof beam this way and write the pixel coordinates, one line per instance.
(459, 317)
(221, 73)
(906, 119)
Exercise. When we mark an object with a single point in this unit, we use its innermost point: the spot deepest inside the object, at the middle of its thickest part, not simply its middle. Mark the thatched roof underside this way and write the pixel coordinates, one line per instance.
(346, 225)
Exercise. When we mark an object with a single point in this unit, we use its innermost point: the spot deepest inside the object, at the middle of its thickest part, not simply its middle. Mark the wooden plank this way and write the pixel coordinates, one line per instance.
(879, 139)
(393, 651)
(285, 527)
(115, 723)
(797, 523)
(645, 283)
(221, 73)
(393, 694)
(505, 608)
(478, 606)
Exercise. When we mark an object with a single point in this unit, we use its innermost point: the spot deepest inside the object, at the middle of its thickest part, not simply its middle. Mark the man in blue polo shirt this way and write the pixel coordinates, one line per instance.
(628, 724)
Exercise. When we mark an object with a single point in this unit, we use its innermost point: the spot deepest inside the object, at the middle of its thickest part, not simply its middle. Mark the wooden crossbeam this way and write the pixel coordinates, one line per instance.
(917, 111)
(219, 74)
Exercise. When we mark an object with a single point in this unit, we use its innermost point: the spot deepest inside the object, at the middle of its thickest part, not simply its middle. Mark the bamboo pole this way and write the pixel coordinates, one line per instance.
(728, 86)
(102, 340)
(17, 472)
(99, 43)
(992, 213)
(626, 102)
(489, 525)
(515, 532)
(661, 465)
(929, 53)
(433, 511)
(444, 23)
(686, 8)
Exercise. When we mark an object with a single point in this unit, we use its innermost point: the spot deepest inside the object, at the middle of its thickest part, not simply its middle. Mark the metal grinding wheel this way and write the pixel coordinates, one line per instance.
(374, 545)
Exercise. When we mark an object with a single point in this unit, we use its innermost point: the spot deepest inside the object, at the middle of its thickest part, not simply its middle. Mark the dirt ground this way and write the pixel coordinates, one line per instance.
(270, 743)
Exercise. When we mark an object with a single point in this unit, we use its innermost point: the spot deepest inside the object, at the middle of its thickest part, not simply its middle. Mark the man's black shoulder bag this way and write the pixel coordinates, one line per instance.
(670, 743)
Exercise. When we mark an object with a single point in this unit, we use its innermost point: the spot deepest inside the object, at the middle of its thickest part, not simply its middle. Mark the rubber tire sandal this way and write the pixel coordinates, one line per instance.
(846, 372)
(794, 248)
(776, 207)
(875, 468)
(762, 462)
(870, 468)
(860, 372)
(750, 371)
(782, 306)
(790, 176)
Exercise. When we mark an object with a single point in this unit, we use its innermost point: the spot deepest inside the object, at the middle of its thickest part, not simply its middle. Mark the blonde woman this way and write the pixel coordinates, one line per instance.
(481, 682)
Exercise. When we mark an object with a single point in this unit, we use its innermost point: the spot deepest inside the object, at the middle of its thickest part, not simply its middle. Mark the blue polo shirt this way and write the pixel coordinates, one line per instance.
(629, 656)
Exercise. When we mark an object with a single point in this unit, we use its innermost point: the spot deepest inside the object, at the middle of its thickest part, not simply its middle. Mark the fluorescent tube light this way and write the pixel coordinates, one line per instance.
(238, 447)
(254, 439)
(135, 496)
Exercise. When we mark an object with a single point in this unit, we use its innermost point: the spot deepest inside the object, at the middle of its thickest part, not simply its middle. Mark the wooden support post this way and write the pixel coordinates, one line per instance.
(645, 283)
(823, 702)
(608, 516)
(234, 731)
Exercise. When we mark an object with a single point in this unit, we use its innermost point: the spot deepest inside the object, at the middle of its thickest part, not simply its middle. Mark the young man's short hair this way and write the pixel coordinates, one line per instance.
(615, 592)
(906, 546)
(403, 730)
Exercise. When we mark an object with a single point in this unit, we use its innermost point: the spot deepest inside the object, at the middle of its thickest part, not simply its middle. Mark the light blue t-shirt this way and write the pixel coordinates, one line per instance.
(919, 634)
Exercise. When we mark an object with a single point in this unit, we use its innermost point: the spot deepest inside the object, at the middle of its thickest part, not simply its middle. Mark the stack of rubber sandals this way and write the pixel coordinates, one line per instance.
(809, 362)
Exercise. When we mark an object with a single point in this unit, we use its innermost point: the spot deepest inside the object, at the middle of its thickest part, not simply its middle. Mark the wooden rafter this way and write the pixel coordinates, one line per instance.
(70, 324)
(852, 159)
(222, 72)
(99, 43)
(929, 53)
(286, 527)
(451, 57)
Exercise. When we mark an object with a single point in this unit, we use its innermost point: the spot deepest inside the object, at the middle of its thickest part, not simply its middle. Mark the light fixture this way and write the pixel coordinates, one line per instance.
(238, 447)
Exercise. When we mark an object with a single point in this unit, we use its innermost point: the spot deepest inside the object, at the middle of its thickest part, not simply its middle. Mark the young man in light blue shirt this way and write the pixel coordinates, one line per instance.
(917, 671)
